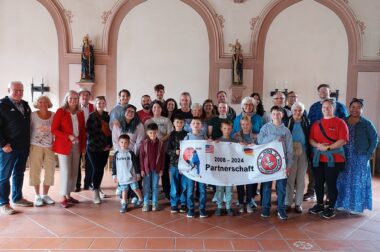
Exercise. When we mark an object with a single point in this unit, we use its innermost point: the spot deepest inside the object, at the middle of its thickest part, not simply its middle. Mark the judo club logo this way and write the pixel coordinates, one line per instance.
(269, 161)
(191, 157)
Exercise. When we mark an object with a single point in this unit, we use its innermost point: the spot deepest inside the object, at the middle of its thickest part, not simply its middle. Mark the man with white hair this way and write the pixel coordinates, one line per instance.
(278, 100)
(14, 142)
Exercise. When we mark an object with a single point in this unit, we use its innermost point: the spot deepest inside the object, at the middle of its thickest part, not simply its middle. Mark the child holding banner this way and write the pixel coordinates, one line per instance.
(271, 131)
(226, 129)
(246, 137)
(195, 134)
(177, 181)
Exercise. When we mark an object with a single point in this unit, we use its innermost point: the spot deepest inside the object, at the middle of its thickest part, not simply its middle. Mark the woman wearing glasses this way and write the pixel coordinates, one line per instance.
(354, 183)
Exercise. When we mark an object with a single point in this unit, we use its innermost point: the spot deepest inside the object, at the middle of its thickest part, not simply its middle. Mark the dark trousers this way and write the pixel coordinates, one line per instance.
(98, 161)
(329, 175)
(87, 173)
(165, 179)
(249, 191)
(12, 164)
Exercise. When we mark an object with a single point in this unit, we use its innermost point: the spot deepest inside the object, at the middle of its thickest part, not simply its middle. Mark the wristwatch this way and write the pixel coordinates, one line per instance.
(328, 148)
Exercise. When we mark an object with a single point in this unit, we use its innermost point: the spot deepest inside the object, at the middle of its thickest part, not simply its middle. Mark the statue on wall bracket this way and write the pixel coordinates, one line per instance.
(87, 61)
(237, 63)
(237, 86)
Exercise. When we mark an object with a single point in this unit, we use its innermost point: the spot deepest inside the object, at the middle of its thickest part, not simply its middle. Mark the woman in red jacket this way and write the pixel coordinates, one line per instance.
(69, 134)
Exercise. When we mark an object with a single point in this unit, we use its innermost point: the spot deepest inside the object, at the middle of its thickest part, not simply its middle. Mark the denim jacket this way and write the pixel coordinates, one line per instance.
(366, 138)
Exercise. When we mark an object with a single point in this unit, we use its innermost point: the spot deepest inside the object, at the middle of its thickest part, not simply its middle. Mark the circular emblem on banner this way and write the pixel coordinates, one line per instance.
(269, 161)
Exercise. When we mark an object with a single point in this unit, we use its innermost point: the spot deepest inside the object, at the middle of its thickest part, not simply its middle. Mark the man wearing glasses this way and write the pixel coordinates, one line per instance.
(15, 142)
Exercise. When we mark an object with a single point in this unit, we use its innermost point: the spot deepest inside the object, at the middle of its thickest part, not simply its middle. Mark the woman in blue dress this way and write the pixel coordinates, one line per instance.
(354, 183)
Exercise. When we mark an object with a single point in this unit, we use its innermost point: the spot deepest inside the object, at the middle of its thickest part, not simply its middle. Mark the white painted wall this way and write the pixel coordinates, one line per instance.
(28, 47)
(163, 42)
(369, 90)
(237, 18)
(87, 19)
(306, 45)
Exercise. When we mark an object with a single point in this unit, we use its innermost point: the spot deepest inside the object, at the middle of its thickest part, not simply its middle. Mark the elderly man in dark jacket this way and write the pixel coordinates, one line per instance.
(14, 143)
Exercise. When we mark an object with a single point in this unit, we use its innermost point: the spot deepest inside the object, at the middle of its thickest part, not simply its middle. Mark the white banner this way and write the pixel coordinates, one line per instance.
(226, 163)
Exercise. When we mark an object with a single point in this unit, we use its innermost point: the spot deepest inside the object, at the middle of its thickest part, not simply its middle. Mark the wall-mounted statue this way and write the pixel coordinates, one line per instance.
(88, 71)
(237, 63)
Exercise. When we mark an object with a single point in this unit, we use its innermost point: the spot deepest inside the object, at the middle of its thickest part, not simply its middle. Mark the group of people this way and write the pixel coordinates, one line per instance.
(329, 144)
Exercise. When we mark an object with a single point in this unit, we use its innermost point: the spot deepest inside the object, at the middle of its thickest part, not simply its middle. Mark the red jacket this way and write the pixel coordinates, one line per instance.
(62, 127)
(144, 162)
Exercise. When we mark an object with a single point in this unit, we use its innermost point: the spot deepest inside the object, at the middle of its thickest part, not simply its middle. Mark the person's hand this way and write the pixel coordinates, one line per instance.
(115, 179)
(138, 177)
(281, 139)
(7, 148)
(242, 143)
(160, 173)
(322, 147)
(209, 140)
(142, 174)
(72, 138)
(177, 152)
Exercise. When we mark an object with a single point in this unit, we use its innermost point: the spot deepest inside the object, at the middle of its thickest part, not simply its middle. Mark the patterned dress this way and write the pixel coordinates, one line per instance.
(354, 183)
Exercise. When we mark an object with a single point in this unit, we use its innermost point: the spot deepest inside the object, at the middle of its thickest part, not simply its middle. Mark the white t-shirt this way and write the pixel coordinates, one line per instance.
(40, 130)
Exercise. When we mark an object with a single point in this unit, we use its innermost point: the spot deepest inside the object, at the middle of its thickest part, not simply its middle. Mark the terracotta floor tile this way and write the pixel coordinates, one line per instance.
(188, 227)
(157, 232)
(96, 232)
(245, 244)
(217, 232)
(334, 245)
(106, 243)
(47, 243)
(16, 243)
(364, 235)
(217, 244)
(189, 244)
(133, 243)
(292, 233)
(160, 243)
(275, 245)
(77, 243)
(271, 234)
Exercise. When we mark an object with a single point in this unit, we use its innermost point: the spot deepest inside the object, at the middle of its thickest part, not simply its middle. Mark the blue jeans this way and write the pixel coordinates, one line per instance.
(150, 183)
(178, 185)
(280, 190)
(12, 164)
(220, 192)
(190, 195)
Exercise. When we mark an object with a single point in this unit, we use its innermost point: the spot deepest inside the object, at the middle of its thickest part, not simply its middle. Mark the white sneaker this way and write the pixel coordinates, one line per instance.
(7, 210)
(102, 194)
(97, 199)
(47, 200)
(38, 201)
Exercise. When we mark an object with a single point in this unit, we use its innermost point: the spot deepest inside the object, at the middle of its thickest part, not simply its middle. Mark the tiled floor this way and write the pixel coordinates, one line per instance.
(102, 228)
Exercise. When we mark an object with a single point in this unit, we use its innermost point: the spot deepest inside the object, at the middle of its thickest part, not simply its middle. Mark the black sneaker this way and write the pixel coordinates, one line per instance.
(316, 209)
(174, 209)
(328, 213)
(183, 209)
